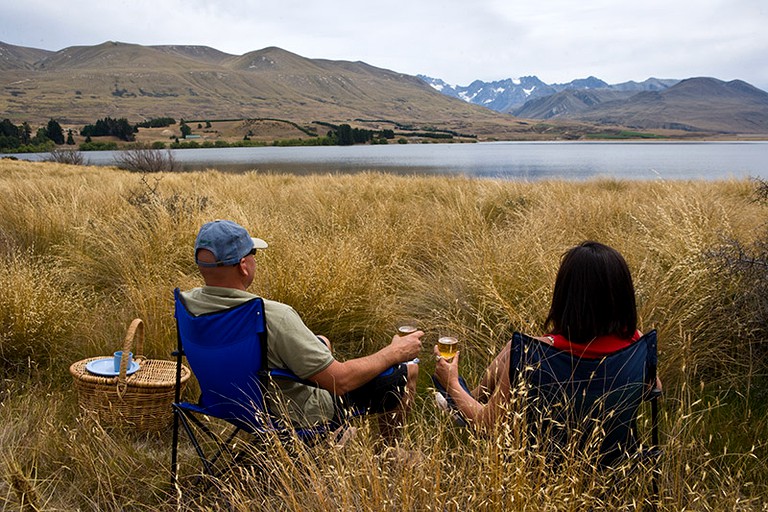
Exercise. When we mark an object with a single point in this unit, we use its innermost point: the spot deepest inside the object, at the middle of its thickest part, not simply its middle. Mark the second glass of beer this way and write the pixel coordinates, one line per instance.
(447, 346)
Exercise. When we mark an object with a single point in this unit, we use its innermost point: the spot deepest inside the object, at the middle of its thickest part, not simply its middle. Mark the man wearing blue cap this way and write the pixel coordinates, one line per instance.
(224, 253)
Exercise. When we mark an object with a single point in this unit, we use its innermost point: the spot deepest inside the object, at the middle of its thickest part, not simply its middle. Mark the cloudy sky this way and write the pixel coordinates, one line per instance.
(556, 40)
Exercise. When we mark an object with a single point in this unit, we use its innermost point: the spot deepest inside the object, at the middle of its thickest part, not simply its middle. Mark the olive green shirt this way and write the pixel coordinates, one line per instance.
(290, 345)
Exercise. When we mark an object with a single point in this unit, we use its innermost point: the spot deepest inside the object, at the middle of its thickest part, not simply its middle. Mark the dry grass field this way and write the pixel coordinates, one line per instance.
(85, 250)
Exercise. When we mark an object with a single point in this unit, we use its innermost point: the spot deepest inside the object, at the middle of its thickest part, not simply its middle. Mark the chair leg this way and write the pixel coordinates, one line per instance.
(174, 447)
(655, 443)
(187, 421)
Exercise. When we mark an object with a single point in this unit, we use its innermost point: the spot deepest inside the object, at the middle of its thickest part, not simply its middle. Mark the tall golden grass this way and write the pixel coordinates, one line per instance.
(84, 250)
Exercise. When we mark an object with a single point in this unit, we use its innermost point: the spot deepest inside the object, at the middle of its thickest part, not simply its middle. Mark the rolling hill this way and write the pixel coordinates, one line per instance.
(695, 104)
(19, 57)
(80, 84)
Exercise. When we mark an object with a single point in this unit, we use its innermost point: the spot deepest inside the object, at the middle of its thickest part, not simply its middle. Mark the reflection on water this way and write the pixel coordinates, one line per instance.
(504, 160)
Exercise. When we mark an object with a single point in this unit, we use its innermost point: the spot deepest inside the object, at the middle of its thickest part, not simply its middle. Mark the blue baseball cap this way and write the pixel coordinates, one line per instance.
(228, 241)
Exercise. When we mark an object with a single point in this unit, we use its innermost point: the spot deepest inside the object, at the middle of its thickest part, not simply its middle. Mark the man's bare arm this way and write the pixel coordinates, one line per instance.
(340, 378)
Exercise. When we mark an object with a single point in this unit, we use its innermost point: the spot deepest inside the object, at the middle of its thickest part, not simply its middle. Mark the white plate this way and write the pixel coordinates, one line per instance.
(106, 367)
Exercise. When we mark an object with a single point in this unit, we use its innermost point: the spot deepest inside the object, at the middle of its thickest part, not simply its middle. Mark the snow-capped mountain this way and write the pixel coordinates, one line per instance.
(502, 95)
(511, 94)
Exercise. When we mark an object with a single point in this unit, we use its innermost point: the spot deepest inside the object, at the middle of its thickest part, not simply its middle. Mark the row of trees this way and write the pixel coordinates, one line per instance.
(345, 135)
(20, 138)
(157, 122)
(124, 130)
(119, 128)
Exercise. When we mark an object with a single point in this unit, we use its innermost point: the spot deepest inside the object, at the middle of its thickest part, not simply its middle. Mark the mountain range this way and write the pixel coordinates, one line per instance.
(511, 94)
(80, 84)
(696, 104)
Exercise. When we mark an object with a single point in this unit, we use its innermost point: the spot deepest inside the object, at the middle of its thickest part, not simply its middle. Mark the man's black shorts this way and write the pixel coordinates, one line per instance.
(383, 393)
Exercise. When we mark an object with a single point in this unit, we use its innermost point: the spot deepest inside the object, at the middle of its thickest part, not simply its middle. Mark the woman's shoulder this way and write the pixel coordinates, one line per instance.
(547, 338)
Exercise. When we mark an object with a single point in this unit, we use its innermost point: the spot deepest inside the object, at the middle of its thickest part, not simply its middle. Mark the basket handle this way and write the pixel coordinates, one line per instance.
(135, 332)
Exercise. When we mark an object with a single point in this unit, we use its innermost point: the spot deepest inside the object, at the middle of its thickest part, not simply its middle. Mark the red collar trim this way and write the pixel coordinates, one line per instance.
(595, 349)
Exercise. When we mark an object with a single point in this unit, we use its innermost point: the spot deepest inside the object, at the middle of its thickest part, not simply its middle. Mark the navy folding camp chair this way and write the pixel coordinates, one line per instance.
(580, 402)
(227, 353)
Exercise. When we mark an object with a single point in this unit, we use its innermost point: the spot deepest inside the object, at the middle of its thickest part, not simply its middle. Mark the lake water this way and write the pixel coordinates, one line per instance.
(503, 160)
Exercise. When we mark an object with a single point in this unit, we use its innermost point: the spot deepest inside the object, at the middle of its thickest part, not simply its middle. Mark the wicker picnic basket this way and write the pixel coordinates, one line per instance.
(141, 400)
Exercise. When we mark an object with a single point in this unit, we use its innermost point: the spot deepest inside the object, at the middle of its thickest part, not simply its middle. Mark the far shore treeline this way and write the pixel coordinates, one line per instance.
(120, 133)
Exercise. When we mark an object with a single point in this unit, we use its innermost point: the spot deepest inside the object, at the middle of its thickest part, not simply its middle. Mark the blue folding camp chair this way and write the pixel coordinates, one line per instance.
(227, 352)
(596, 400)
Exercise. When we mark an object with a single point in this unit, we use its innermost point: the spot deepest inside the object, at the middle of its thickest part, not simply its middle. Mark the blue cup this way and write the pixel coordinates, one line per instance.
(119, 356)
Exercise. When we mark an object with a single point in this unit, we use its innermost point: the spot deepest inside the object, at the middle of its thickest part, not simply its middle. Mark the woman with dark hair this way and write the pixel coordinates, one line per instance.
(593, 314)
(593, 304)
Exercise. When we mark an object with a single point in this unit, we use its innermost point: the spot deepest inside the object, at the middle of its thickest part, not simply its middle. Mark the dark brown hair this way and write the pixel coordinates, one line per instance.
(593, 295)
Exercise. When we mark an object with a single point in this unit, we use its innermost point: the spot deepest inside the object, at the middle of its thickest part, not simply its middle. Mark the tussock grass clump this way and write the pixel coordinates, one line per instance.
(36, 313)
(85, 250)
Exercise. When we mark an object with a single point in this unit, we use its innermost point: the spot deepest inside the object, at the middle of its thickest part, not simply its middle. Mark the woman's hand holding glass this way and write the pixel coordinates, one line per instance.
(446, 370)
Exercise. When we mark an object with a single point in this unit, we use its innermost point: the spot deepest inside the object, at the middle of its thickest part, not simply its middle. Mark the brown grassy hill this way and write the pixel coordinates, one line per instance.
(116, 56)
(201, 53)
(80, 84)
(569, 103)
(19, 57)
(697, 104)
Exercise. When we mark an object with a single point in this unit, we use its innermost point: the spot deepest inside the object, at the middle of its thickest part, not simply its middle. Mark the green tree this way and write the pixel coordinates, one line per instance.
(185, 130)
(70, 138)
(26, 133)
(9, 129)
(361, 136)
(345, 135)
(41, 137)
(10, 135)
(54, 132)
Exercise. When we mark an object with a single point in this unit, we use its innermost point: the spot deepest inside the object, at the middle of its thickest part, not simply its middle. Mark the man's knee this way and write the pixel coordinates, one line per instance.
(413, 372)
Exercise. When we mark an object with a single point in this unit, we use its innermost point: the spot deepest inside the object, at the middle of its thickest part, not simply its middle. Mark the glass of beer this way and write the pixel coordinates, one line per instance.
(405, 330)
(447, 346)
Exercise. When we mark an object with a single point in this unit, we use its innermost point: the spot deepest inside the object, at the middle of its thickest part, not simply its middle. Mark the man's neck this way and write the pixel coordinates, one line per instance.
(226, 284)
